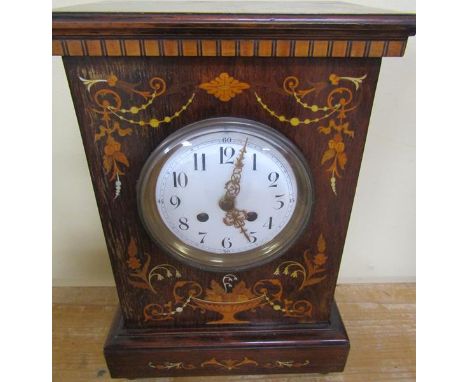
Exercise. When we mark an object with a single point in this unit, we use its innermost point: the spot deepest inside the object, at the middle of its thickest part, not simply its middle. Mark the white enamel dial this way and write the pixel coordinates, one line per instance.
(192, 184)
(225, 195)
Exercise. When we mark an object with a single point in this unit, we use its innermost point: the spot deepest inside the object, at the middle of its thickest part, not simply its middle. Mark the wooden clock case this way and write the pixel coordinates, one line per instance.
(135, 78)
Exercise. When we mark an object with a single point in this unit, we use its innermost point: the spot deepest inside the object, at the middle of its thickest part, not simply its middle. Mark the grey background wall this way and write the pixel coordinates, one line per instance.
(381, 239)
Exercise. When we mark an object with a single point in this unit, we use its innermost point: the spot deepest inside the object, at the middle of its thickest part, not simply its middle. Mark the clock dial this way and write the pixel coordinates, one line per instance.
(224, 194)
(194, 204)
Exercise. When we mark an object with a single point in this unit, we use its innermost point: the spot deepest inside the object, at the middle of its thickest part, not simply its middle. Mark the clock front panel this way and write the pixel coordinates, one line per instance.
(129, 107)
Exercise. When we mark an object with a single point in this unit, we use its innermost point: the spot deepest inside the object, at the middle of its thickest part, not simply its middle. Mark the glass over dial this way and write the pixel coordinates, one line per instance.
(225, 194)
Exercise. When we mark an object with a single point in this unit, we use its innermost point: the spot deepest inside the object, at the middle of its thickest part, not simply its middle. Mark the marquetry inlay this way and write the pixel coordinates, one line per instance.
(227, 48)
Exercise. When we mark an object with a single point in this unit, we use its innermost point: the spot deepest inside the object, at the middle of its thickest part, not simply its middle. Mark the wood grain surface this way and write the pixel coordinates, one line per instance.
(127, 145)
(380, 320)
(178, 34)
(156, 25)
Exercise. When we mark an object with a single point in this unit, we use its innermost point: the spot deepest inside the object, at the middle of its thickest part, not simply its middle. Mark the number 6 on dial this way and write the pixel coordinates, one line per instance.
(225, 194)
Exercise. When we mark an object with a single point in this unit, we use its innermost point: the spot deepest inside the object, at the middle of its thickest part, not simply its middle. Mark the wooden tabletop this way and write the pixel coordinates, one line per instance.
(380, 320)
(235, 7)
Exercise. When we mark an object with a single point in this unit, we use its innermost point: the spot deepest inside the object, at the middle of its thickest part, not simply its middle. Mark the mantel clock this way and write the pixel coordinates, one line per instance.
(224, 142)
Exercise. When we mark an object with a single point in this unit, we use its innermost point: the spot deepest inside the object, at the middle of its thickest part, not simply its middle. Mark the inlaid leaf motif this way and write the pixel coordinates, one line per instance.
(119, 156)
(241, 293)
(215, 292)
(107, 163)
(171, 365)
(124, 131)
(132, 248)
(339, 102)
(224, 87)
(314, 263)
(133, 261)
(346, 130)
(229, 364)
(108, 107)
(187, 293)
(310, 266)
(342, 159)
(324, 130)
(100, 134)
(321, 244)
(327, 155)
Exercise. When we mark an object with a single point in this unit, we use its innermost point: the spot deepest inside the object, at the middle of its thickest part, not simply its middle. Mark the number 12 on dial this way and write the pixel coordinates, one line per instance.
(223, 194)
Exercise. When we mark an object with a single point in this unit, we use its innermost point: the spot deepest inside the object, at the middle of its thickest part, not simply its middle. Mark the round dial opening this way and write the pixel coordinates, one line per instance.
(225, 194)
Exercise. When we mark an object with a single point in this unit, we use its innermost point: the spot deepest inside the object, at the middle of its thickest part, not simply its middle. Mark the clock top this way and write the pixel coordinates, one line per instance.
(247, 29)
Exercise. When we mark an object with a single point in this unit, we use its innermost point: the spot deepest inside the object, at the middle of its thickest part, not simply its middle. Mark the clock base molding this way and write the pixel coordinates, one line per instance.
(216, 146)
(226, 350)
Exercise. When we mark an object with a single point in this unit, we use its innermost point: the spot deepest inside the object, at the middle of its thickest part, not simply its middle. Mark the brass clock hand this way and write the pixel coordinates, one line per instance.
(235, 217)
(232, 186)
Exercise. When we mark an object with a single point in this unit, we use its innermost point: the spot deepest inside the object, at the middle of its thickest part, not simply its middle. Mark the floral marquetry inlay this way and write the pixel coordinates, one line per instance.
(114, 121)
(224, 87)
(228, 364)
(172, 365)
(232, 295)
(329, 117)
(312, 272)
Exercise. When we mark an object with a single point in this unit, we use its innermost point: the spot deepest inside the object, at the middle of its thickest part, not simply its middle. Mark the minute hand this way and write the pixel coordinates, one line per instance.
(235, 217)
(232, 186)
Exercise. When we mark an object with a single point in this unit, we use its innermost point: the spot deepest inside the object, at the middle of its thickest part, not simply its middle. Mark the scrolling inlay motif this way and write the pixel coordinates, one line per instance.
(233, 296)
(329, 116)
(105, 93)
(227, 364)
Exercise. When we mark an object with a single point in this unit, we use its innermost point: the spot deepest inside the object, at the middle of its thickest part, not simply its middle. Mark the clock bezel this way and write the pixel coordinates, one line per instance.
(168, 241)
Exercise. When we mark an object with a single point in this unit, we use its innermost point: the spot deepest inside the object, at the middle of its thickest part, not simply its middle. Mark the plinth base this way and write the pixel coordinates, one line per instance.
(226, 350)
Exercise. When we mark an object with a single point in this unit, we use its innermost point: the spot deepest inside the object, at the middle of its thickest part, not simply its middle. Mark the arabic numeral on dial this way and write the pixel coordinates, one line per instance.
(183, 224)
(180, 180)
(273, 178)
(226, 140)
(202, 165)
(253, 239)
(280, 202)
(269, 223)
(254, 165)
(226, 155)
(226, 243)
(175, 201)
(203, 235)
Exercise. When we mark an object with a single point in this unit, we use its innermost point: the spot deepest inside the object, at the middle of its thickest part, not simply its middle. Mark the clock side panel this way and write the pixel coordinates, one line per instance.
(127, 106)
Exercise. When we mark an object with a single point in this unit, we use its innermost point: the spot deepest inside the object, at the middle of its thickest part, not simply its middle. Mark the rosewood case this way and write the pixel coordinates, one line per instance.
(136, 78)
